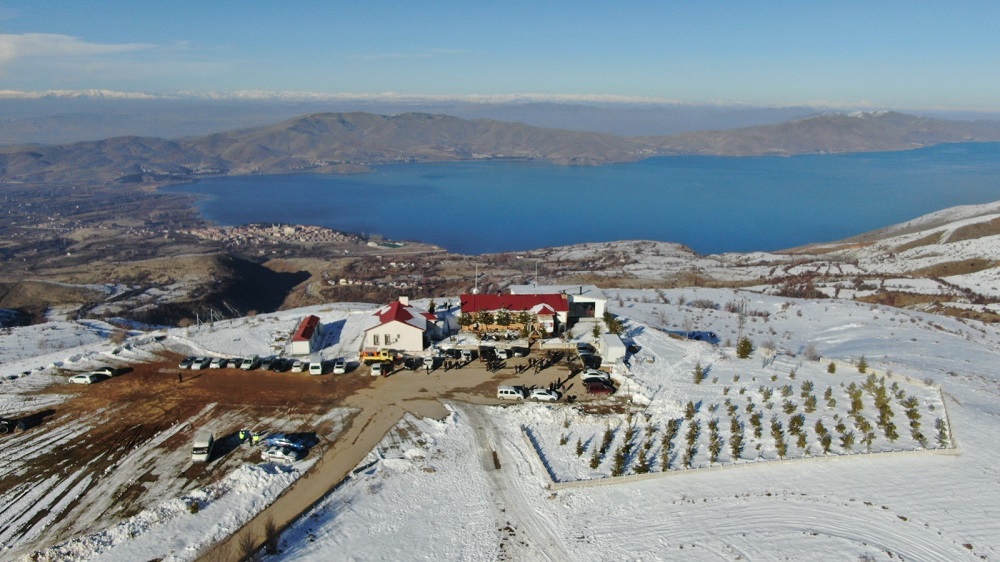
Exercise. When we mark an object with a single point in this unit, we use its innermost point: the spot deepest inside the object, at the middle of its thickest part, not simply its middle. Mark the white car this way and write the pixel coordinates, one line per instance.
(379, 368)
(200, 363)
(299, 366)
(250, 363)
(595, 375)
(545, 395)
(281, 454)
(86, 378)
(217, 363)
(340, 366)
(315, 367)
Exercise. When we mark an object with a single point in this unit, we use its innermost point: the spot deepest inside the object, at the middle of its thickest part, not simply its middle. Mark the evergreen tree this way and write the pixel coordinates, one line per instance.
(862, 365)
(699, 373)
(744, 348)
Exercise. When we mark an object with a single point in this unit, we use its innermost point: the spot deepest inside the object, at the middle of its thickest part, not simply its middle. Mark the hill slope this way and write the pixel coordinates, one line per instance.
(334, 142)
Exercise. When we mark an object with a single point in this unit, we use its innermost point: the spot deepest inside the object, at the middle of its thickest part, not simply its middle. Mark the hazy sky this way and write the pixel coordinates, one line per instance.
(899, 54)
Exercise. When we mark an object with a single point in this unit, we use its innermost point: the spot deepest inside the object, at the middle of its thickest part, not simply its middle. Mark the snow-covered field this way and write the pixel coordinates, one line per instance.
(435, 493)
(431, 489)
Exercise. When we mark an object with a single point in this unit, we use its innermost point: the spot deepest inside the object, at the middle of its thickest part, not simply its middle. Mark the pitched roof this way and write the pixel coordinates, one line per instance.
(399, 312)
(306, 328)
(475, 303)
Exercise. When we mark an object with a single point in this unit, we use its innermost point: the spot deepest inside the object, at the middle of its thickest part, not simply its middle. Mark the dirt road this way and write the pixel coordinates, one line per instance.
(380, 406)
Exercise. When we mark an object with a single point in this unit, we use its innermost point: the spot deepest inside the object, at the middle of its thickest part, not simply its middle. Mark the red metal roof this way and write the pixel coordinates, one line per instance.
(399, 312)
(306, 328)
(476, 303)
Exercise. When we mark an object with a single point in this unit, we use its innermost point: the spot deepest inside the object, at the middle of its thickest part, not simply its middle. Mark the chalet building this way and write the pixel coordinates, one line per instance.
(548, 311)
(403, 327)
(305, 338)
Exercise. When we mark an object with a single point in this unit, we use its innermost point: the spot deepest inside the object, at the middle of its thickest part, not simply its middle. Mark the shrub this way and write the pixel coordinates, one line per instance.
(862, 365)
(831, 368)
(580, 447)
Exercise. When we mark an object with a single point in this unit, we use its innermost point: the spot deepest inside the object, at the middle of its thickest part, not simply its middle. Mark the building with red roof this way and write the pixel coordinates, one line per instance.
(402, 327)
(549, 311)
(305, 336)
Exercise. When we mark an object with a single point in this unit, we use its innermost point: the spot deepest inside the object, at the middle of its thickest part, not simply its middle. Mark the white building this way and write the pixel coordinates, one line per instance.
(305, 336)
(402, 327)
(585, 301)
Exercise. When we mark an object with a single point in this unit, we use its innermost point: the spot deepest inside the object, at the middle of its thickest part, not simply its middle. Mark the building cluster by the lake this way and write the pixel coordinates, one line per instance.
(259, 235)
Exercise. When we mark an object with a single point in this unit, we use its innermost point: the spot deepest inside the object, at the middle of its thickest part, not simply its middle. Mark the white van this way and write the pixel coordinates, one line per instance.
(510, 393)
(316, 367)
(202, 449)
(250, 363)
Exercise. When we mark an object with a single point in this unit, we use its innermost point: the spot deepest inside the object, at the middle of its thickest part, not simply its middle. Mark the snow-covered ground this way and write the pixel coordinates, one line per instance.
(432, 489)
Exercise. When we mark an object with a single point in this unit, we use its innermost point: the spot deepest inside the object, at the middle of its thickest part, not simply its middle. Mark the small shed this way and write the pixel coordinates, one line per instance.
(305, 336)
(612, 348)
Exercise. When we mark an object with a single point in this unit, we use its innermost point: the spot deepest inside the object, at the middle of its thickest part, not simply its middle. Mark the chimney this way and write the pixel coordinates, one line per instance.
(405, 301)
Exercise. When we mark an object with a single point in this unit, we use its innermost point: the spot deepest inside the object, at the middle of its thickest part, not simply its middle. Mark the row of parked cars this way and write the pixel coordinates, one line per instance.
(593, 380)
(270, 363)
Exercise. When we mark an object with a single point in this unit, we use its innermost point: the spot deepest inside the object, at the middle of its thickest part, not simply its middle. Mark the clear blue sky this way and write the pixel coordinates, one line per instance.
(898, 54)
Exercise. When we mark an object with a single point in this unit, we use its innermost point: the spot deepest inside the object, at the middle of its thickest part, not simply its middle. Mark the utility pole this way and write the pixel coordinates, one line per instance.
(742, 311)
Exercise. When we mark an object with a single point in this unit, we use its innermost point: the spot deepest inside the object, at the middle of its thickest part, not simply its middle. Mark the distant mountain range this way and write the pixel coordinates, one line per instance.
(341, 142)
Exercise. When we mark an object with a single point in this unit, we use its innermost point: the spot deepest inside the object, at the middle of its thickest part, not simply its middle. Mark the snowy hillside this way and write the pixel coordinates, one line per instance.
(420, 493)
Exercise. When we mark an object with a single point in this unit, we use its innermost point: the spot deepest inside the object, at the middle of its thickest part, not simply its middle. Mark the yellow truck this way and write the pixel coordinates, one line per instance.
(371, 355)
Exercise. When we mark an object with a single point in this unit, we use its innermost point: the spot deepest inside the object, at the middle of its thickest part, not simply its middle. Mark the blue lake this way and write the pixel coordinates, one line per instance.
(709, 203)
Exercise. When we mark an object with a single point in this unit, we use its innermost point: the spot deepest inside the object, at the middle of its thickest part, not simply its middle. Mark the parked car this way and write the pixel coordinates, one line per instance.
(217, 363)
(598, 387)
(379, 368)
(299, 366)
(234, 362)
(267, 362)
(186, 363)
(282, 440)
(468, 355)
(510, 392)
(7, 425)
(201, 451)
(201, 363)
(281, 454)
(583, 347)
(590, 360)
(107, 371)
(340, 366)
(520, 351)
(86, 378)
(453, 353)
(280, 364)
(595, 375)
(545, 395)
(250, 363)
(316, 367)
(503, 354)
(428, 361)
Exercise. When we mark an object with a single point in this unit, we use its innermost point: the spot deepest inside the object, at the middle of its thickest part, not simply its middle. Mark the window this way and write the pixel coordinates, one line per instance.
(374, 339)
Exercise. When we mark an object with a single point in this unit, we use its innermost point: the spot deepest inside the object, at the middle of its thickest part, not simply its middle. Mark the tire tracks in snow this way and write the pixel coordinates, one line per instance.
(511, 488)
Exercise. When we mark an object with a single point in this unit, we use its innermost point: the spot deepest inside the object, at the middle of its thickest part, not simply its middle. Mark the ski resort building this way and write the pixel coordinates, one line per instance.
(548, 311)
(306, 335)
(403, 327)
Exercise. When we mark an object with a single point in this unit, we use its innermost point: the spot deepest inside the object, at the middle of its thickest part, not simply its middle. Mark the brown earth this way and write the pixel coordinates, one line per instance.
(121, 415)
